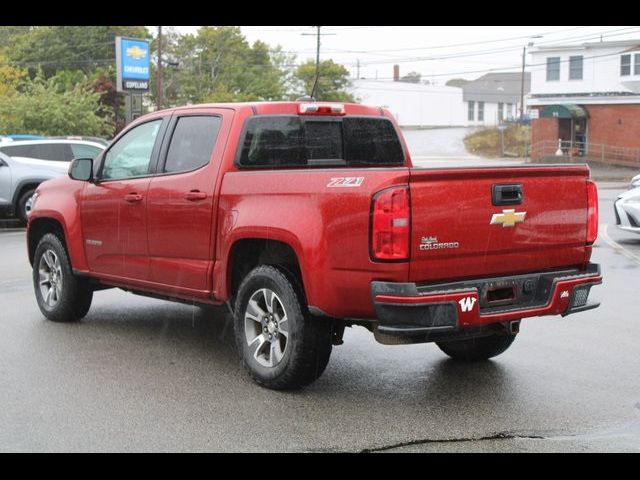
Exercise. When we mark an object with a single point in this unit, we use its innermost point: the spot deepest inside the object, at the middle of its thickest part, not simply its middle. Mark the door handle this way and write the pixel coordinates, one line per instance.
(133, 197)
(194, 195)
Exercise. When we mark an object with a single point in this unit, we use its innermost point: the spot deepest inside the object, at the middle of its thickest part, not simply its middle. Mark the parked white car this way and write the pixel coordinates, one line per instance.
(635, 182)
(25, 164)
(627, 208)
(51, 152)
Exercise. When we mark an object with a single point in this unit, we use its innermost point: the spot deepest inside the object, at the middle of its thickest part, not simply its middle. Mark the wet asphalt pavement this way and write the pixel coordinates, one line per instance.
(146, 375)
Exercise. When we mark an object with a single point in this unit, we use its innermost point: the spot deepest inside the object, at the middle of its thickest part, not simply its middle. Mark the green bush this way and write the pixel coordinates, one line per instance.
(42, 107)
(487, 142)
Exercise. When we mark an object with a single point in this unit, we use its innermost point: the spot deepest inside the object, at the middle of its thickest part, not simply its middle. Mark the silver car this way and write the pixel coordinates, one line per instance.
(627, 207)
(19, 180)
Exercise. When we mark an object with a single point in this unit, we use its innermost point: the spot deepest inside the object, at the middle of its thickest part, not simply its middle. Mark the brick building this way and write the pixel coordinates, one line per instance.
(587, 98)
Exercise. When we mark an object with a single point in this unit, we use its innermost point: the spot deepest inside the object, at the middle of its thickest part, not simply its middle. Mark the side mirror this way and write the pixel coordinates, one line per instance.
(81, 169)
(3, 163)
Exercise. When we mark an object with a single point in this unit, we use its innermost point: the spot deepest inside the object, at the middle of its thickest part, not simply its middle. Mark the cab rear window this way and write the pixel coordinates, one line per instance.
(290, 141)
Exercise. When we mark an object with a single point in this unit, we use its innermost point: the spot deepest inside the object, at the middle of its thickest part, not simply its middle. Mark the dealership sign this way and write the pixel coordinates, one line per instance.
(133, 64)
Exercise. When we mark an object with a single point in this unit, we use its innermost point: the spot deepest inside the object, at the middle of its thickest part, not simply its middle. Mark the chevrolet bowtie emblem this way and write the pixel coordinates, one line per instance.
(136, 52)
(508, 218)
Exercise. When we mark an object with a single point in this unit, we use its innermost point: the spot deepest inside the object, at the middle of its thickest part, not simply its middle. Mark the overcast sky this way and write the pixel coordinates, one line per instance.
(438, 53)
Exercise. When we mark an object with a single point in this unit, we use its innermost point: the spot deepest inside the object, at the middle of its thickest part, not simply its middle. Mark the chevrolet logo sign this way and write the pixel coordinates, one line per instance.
(136, 52)
(508, 218)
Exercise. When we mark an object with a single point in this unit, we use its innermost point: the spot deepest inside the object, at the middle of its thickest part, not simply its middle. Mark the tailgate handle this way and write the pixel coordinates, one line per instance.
(510, 194)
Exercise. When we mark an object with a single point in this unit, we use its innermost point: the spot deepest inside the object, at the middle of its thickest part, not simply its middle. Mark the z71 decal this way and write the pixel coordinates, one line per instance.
(345, 182)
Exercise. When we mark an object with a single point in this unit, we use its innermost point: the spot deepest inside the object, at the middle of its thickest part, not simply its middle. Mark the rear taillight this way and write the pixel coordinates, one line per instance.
(390, 222)
(592, 212)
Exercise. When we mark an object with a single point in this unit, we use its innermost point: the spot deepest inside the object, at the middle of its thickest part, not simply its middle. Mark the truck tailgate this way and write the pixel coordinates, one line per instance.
(461, 230)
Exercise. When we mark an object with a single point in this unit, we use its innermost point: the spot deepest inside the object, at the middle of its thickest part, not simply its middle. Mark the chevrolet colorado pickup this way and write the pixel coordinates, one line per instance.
(305, 218)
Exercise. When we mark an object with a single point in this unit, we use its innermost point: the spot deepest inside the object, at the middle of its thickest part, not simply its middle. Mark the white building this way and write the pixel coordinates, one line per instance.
(414, 104)
(585, 72)
(494, 98)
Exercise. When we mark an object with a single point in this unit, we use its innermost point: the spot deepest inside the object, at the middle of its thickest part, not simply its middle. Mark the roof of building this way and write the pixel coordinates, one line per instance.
(588, 46)
(497, 87)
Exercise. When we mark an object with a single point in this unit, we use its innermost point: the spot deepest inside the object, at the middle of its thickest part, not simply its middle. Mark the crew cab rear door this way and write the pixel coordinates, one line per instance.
(482, 222)
(181, 201)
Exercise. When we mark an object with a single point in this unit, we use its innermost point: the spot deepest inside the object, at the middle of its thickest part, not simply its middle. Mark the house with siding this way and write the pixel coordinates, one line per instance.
(494, 98)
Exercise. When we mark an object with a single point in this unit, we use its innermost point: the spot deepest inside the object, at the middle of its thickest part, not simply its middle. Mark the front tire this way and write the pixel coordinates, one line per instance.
(477, 349)
(61, 296)
(24, 206)
(282, 346)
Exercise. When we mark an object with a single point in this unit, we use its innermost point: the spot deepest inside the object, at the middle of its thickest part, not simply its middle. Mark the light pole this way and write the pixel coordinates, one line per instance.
(524, 55)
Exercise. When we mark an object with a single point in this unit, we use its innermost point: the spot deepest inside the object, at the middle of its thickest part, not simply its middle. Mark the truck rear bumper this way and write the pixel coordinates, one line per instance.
(417, 309)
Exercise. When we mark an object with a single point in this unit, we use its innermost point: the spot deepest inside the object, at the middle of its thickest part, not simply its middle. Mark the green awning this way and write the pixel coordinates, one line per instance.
(566, 110)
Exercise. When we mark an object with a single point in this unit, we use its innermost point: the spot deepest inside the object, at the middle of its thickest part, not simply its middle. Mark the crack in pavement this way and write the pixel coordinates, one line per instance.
(496, 436)
(629, 429)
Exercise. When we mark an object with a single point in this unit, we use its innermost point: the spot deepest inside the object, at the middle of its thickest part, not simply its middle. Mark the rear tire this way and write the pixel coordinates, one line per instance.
(477, 349)
(24, 206)
(282, 346)
(61, 295)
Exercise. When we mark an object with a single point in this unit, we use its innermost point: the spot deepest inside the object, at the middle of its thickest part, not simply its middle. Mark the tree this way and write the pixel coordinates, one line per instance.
(54, 48)
(43, 109)
(457, 82)
(7, 34)
(10, 77)
(217, 64)
(411, 77)
(333, 81)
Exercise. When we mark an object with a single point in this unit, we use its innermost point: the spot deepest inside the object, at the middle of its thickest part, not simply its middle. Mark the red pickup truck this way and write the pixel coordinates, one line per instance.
(305, 218)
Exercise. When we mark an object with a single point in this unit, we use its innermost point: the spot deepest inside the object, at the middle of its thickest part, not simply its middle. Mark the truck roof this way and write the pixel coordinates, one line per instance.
(287, 107)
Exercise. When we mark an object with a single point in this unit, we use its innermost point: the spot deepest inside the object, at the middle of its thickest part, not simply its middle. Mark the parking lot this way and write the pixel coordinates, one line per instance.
(145, 375)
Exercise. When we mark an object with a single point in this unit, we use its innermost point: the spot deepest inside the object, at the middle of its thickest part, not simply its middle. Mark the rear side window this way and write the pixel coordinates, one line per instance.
(19, 151)
(371, 140)
(57, 152)
(292, 141)
(192, 143)
(273, 142)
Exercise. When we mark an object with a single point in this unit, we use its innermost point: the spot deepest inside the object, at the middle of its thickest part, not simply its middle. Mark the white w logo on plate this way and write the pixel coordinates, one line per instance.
(466, 304)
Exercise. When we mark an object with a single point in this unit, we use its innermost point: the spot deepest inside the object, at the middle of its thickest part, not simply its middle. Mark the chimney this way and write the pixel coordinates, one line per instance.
(396, 73)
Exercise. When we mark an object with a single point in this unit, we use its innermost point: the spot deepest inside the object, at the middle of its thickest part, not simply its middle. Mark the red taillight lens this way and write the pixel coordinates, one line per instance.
(391, 218)
(592, 212)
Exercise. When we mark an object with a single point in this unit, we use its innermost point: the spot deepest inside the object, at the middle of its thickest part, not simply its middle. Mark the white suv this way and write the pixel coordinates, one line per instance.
(51, 152)
(25, 164)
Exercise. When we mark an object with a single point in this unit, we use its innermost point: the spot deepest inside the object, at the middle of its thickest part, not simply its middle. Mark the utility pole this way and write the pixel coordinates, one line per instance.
(318, 53)
(524, 53)
(317, 34)
(358, 69)
(159, 85)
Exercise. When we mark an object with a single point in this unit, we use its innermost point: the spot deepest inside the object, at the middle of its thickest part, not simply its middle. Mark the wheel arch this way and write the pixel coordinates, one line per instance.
(38, 228)
(21, 189)
(247, 253)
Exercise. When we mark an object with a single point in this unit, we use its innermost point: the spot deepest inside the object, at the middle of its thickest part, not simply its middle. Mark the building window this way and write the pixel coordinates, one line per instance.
(636, 64)
(553, 68)
(481, 111)
(471, 115)
(575, 68)
(500, 111)
(625, 65)
(509, 110)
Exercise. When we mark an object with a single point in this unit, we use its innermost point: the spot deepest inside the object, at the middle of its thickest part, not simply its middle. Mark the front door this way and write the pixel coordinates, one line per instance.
(181, 218)
(113, 209)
